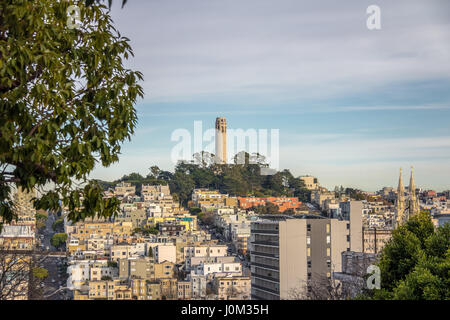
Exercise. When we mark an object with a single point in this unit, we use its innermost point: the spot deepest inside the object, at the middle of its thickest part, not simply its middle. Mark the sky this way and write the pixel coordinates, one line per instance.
(352, 105)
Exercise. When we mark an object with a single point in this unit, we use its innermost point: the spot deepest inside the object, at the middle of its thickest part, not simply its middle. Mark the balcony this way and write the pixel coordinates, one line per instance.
(277, 292)
(266, 243)
(262, 231)
(265, 277)
(263, 254)
(265, 266)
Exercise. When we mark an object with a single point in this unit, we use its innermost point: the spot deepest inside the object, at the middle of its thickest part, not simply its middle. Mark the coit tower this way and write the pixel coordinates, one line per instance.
(221, 140)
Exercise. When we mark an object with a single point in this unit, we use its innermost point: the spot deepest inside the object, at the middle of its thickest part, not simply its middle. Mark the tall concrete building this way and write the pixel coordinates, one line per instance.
(291, 253)
(352, 211)
(221, 140)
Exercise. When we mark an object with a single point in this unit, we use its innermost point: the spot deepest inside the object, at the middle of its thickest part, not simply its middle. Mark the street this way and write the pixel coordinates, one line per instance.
(57, 276)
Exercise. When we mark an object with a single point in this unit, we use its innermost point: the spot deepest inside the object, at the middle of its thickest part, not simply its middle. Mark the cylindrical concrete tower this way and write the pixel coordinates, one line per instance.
(221, 140)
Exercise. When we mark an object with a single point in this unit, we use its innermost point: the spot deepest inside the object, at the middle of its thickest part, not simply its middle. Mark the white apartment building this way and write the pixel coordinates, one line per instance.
(207, 269)
(203, 251)
(125, 251)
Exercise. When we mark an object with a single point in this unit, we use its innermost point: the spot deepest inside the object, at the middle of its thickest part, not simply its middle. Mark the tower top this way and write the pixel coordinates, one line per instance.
(412, 185)
(401, 188)
(221, 124)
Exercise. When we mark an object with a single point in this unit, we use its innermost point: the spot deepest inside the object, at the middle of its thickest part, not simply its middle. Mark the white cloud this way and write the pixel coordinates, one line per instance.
(284, 48)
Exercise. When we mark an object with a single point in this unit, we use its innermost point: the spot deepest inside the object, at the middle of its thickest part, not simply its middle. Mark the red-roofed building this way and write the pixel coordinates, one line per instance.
(283, 203)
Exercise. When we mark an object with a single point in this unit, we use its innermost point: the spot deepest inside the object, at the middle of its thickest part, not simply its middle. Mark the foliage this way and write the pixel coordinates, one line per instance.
(415, 263)
(66, 104)
(235, 179)
(150, 252)
(194, 210)
(40, 273)
(58, 239)
(58, 224)
(40, 220)
(206, 218)
(268, 208)
(15, 274)
(106, 278)
(147, 231)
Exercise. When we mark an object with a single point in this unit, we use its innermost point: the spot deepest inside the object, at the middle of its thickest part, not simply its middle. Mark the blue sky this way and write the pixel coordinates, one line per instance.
(352, 105)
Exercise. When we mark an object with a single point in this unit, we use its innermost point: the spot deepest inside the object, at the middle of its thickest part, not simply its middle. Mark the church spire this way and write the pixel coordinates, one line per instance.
(413, 201)
(400, 203)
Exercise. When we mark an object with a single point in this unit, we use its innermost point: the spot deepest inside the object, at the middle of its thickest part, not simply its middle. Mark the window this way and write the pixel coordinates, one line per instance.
(348, 226)
(328, 239)
(308, 240)
(348, 237)
(308, 252)
(328, 228)
(328, 252)
(309, 264)
(308, 227)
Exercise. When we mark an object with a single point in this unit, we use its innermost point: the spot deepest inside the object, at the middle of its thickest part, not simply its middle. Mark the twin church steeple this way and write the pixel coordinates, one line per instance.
(404, 212)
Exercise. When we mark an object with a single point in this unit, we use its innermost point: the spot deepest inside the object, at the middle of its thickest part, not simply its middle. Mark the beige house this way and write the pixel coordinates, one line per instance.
(232, 288)
(375, 239)
(311, 183)
(142, 267)
(184, 290)
(165, 269)
(124, 189)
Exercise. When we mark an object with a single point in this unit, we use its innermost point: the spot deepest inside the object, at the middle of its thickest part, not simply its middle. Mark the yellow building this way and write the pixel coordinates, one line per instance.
(102, 290)
(84, 230)
(165, 269)
(311, 183)
(169, 289)
(189, 221)
(209, 199)
(80, 295)
(17, 237)
(232, 288)
(184, 290)
(153, 290)
(153, 221)
(139, 289)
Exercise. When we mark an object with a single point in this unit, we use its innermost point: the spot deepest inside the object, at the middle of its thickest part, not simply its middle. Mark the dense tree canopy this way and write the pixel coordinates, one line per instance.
(235, 179)
(58, 239)
(415, 264)
(66, 103)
